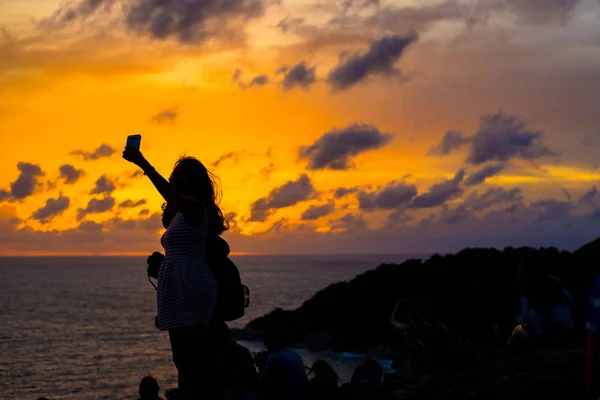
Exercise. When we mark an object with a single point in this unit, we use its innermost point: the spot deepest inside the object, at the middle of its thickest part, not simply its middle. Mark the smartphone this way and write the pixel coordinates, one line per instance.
(134, 141)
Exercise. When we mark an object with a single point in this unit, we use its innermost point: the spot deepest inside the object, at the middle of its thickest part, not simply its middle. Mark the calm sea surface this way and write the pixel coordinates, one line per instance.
(83, 327)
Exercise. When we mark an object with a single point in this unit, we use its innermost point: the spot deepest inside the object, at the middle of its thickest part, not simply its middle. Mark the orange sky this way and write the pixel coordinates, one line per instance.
(92, 80)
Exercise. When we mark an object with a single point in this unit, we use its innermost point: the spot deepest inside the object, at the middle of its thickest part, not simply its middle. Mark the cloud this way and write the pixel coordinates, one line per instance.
(380, 59)
(96, 206)
(104, 185)
(439, 193)
(349, 222)
(590, 197)
(342, 192)
(266, 172)
(232, 155)
(480, 176)
(237, 74)
(300, 75)
(492, 197)
(52, 208)
(335, 148)
(317, 211)
(420, 18)
(80, 11)
(26, 184)
(500, 137)
(167, 116)
(27, 181)
(132, 204)
(70, 174)
(102, 151)
(191, 21)
(287, 24)
(543, 11)
(392, 196)
(452, 140)
(286, 195)
(553, 209)
(259, 80)
(144, 212)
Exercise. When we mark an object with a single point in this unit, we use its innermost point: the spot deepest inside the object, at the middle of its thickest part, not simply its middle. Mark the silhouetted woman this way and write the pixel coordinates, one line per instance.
(187, 290)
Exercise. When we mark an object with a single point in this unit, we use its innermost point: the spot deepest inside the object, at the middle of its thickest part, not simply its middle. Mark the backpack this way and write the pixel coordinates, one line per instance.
(233, 297)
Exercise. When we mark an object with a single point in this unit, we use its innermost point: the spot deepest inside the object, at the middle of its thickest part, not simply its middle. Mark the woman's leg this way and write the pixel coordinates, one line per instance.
(195, 359)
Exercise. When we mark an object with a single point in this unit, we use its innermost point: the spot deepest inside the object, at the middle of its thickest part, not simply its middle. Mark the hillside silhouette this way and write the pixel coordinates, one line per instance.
(473, 292)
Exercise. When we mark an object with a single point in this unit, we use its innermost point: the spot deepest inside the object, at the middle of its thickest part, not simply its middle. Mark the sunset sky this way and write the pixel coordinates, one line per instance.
(363, 126)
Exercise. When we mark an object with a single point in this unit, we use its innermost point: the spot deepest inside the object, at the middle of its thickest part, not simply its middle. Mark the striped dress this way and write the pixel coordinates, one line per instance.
(187, 290)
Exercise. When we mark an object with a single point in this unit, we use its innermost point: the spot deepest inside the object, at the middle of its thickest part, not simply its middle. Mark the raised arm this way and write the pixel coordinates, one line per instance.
(189, 206)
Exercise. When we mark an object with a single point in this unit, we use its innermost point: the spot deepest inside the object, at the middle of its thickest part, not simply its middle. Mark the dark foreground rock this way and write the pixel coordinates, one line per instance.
(473, 293)
(543, 374)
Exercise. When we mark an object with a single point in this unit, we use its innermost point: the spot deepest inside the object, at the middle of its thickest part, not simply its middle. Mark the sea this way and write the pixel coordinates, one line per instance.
(83, 327)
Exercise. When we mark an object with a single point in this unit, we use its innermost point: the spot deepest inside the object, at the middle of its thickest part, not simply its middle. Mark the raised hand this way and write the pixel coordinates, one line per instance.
(134, 156)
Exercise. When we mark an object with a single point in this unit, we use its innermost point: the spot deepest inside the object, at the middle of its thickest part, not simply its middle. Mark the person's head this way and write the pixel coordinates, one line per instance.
(149, 388)
(369, 371)
(190, 177)
(325, 373)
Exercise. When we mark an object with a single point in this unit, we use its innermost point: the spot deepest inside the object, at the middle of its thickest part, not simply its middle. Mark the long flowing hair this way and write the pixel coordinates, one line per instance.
(205, 186)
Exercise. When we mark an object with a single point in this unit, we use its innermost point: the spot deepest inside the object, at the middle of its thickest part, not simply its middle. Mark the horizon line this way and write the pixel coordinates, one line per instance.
(232, 254)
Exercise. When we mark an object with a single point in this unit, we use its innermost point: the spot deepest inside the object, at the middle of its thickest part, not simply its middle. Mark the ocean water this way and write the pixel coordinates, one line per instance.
(83, 327)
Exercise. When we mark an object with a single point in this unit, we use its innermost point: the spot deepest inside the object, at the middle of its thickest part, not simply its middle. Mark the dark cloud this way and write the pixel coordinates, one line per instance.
(237, 74)
(500, 137)
(318, 211)
(543, 11)
(400, 19)
(102, 151)
(70, 174)
(491, 198)
(299, 75)
(5, 195)
(380, 59)
(391, 196)
(342, 192)
(26, 184)
(132, 204)
(96, 206)
(286, 195)
(452, 140)
(232, 155)
(80, 11)
(590, 197)
(349, 222)
(167, 116)
(104, 185)
(144, 212)
(335, 148)
(553, 209)
(287, 24)
(27, 181)
(477, 203)
(52, 208)
(191, 21)
(259, 80)
(137, 174)
(480, 176)
(439, 193)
